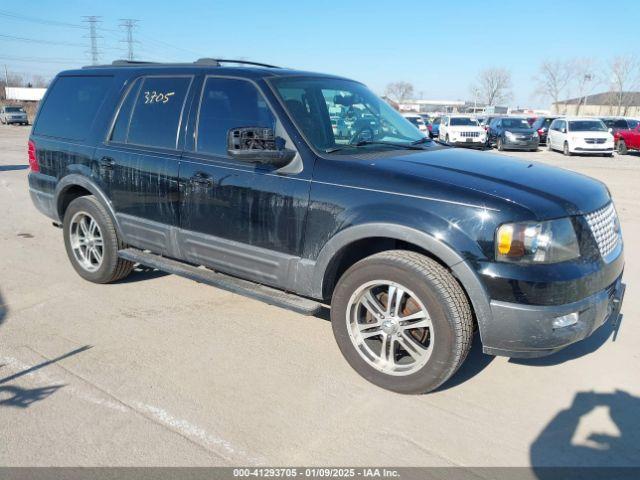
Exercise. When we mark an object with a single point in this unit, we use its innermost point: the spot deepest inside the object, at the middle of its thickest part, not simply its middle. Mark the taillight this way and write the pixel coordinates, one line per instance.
(33, 161)
(540, 131)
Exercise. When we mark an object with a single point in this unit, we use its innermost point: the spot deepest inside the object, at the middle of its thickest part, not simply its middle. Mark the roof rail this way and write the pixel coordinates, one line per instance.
(214, 62)
(217, 61)
(131, 62)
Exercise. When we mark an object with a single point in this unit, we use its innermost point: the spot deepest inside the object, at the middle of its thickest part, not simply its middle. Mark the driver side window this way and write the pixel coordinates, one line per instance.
(229, 103)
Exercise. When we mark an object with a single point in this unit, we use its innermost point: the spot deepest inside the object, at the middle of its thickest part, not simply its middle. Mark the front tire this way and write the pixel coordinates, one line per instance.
(500, 145)
(565, 149)
(92, 242)
(622, 147)
(402, 321)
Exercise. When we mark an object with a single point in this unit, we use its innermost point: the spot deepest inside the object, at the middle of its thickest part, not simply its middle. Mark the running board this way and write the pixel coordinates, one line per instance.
(225, 282)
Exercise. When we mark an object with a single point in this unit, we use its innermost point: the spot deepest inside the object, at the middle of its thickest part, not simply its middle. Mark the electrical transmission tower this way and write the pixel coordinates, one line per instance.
(92, 22)
(129, 25)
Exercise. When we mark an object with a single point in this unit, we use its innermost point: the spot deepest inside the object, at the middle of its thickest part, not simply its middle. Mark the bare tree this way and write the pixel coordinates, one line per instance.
(494, 86)
(399, 91)
(39, 81)
(625, 77)
(584, 78)
(553, 79)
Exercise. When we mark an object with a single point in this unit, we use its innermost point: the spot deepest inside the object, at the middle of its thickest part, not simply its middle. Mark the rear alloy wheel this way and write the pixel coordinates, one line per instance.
(565, 149)
(92, 242)
(402, 321)
(622, 147)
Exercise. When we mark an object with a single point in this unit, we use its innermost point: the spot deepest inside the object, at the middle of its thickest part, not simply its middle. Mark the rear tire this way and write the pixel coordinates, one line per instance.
(92, 242)
(420, 354)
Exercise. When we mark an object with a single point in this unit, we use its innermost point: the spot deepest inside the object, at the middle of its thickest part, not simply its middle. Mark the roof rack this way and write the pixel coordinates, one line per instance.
(214, 62)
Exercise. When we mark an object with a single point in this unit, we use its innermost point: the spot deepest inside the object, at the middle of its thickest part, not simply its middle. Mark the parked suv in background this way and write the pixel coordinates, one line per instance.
(583, 135)
(626, 140)
(616, 124)
(434, 127)
(463, 131)
(416, 120)
(13, 114)
(541, 125)
(513, 133)
(415, 245)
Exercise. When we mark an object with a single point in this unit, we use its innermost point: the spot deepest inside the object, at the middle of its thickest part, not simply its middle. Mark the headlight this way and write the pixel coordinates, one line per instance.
(510, 135)
(537, 242)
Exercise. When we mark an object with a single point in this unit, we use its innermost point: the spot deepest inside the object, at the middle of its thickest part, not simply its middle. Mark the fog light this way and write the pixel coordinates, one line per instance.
(565, 320)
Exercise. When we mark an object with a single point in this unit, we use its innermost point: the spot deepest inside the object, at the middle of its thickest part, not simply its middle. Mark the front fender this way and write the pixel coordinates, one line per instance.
(459, 266)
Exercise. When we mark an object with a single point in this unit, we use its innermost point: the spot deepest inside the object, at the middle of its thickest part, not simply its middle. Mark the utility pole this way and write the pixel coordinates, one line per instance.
(6, 76)
(129, 24)
(92, 23)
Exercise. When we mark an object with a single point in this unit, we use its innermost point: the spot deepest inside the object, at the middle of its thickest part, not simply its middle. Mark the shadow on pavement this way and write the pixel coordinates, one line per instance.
(14, 396)
(8, 168)
(23, 397)
(574, 438)
(141, 273)
(476, 362)
(3, 310)
(576, 350)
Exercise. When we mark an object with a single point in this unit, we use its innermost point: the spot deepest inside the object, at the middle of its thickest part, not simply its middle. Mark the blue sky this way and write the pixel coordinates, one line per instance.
(437, 46)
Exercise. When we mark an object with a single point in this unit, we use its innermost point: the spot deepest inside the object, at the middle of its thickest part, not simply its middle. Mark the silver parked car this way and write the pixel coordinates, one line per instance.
(13, 114)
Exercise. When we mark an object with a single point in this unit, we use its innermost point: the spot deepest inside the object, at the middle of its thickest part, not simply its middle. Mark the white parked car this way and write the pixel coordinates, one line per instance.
(462, 131)
(417, 120)
(580, 135)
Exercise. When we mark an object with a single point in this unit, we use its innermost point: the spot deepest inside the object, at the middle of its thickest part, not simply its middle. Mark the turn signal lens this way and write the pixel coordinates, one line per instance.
(505, 236)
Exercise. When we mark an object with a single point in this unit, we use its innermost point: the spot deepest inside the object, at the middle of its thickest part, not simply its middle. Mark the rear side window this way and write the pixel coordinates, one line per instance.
(157, 111)
(71, 106)
(121, 127)
(226, 104)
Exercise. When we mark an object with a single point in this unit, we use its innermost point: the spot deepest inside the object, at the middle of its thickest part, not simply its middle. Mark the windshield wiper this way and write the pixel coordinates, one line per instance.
(422, 140)
(362, 143)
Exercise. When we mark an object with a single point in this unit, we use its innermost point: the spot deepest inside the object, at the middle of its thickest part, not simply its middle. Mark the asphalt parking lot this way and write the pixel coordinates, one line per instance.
(159, 370)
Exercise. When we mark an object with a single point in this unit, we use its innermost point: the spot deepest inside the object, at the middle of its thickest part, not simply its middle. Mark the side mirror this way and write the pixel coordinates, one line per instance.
(563, 130)
(611, 130)
(258, 145)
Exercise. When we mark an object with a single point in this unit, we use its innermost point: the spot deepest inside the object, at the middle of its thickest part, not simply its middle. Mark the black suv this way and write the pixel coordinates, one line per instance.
(415, 245)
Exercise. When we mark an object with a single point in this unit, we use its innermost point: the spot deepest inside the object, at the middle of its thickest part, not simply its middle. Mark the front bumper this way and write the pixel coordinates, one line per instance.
(526, 331)
(472, 143)
(584, 149)
(520, 144)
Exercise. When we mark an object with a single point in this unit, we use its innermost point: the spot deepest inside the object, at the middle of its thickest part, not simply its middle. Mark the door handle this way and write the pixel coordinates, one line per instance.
(107, 162)
(201, 178)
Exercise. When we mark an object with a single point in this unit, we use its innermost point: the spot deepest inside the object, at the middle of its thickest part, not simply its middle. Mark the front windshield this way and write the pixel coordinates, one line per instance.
(463, 122)
(14, 109)
(587, 126)
(363, 117)
(515, 123)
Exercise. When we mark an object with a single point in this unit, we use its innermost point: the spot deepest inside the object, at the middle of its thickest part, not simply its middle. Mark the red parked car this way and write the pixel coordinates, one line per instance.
(628, 139)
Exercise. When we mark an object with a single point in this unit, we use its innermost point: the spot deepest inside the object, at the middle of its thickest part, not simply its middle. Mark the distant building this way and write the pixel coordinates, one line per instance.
(428, 106)
(23, 94)
(604, 104)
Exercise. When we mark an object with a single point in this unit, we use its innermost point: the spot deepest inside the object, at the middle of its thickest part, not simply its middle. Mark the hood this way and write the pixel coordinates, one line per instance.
(466, 128)
(548, 192)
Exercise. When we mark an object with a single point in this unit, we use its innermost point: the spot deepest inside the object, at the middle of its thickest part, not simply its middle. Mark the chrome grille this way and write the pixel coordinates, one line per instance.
(605, 228)
(595, 140)
(470, 134)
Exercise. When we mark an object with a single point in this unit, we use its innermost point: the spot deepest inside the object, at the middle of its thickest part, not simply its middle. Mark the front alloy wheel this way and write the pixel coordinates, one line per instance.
(390, 328)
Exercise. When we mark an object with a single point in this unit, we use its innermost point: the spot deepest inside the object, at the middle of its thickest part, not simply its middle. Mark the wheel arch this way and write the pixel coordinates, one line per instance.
(385, 236)
(73, 186)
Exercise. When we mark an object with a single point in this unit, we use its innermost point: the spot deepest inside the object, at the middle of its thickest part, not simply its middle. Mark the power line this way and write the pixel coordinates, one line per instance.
(129, 24)
(35, 40)
(41, 21)
(92, 21)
